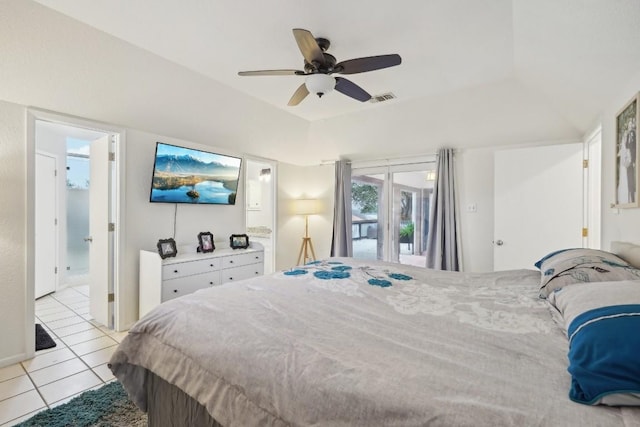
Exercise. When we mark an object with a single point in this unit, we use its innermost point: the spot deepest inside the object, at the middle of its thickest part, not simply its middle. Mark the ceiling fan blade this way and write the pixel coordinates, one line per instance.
(369, 63)
(308, 46)
(272, 73)
(300, 94)
(351, 89)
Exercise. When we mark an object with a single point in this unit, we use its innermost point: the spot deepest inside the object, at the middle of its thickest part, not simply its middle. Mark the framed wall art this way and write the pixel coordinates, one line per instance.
(626, 195)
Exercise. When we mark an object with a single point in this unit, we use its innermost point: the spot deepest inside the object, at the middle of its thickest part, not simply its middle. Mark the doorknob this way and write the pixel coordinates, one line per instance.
(499, 242)
(88, 239)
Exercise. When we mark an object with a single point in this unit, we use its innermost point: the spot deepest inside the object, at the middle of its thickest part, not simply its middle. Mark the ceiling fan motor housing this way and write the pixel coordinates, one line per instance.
(327, 67)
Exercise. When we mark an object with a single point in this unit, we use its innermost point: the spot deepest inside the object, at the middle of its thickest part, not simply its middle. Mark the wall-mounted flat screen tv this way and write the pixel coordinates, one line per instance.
(185, 175)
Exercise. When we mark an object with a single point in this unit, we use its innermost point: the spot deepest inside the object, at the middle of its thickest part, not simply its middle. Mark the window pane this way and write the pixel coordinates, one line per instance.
(367, 221)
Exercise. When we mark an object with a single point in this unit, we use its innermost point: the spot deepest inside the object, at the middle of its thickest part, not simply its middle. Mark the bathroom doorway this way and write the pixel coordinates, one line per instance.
(260, 185)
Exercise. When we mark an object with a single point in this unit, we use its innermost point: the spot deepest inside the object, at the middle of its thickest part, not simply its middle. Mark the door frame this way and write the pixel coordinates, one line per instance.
(33, 114)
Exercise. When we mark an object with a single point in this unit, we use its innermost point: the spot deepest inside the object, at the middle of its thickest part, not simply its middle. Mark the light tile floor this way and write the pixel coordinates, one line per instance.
(76, 364)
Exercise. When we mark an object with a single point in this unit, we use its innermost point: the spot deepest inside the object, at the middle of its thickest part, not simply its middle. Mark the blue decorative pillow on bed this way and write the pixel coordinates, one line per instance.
(603, 326)
(604, 355)
(570, 266)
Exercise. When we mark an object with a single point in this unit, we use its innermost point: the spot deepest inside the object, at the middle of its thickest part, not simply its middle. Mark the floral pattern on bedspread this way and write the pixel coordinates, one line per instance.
(492, 312)
(493, 307)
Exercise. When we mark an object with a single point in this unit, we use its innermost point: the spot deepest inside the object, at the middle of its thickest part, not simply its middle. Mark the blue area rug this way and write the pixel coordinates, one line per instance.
(107, 406)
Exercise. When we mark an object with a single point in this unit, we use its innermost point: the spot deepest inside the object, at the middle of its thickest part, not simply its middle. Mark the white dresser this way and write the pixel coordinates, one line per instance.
(165, 279)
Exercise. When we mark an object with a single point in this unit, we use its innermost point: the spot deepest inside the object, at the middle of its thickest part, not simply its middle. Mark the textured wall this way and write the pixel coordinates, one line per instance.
(13, 244)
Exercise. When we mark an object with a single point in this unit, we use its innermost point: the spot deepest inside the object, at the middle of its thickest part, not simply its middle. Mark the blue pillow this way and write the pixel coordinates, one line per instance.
(546, 257)
(604, 356)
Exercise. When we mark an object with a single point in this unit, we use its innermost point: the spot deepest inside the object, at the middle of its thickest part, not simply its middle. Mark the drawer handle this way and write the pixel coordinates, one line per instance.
(210, 265)
(230, 278)
(175, 271)
(211, 283)
(175, 291)
(230, 261)
(257, 257)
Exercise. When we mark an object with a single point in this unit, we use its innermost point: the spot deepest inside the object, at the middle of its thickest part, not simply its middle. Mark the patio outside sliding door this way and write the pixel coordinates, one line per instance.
(368, 214)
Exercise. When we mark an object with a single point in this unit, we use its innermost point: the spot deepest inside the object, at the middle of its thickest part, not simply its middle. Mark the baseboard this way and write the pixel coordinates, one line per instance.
(13, 360)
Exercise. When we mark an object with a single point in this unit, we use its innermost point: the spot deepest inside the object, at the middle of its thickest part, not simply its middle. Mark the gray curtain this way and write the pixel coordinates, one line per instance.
(341, 242)
(442, 241)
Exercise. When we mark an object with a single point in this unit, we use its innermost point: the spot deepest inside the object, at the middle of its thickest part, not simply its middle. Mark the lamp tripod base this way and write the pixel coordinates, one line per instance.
(305, 249)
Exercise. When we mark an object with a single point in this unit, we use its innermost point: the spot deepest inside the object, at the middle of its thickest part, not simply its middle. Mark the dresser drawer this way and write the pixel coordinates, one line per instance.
(242, 259)
(243, 272)
(182, 269)
(175, 288)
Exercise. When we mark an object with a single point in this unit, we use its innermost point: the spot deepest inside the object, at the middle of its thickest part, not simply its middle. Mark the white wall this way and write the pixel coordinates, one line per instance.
(617, 224)
(147, 222)
(52, 62)
(310, 182)
(13, 240)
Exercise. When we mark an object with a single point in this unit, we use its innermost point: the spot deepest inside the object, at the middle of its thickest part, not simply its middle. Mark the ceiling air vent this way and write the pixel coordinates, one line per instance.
(383, 97)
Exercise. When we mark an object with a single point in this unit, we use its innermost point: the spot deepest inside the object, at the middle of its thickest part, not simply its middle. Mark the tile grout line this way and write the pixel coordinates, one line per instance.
(36, 388)
(77, 356)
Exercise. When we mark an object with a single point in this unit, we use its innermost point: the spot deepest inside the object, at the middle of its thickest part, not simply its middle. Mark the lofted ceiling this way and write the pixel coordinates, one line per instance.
(518, 70)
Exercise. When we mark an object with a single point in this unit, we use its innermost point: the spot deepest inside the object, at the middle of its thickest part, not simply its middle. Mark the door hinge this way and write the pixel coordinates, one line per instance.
(585, 232)
(55, 172)
(585, 163)
(112, 156)
(112, 226)
(111, 298)
(55, 270)
(55, 221)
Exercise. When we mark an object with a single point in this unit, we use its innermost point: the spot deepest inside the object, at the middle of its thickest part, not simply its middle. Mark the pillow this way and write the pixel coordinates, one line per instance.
(602, 324)
(570, 266)
(628, 252)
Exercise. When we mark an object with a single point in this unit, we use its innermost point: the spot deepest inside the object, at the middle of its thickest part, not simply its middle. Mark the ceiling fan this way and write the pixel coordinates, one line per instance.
(319, 65)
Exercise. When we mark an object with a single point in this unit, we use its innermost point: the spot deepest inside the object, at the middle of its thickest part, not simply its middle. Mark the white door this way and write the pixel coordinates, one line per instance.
(46, 250)
(538, 203)
(100, 252)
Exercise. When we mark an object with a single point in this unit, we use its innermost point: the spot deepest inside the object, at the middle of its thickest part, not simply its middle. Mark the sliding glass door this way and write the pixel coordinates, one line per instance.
(368, 220)
(390, 206)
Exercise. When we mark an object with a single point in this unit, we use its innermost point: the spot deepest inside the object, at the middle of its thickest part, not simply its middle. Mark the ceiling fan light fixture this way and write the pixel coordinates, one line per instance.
(320, 83)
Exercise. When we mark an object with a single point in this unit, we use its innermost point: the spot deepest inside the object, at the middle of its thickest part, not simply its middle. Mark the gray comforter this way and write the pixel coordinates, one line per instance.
(390, 345)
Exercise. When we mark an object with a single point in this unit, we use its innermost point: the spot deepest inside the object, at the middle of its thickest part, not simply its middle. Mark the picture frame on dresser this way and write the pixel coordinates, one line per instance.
(167, 248)
(627, 156)
(239, 241)
(205, 242)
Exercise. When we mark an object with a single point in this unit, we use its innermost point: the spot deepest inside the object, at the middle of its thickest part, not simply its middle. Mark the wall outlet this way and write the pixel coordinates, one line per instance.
(472, 208)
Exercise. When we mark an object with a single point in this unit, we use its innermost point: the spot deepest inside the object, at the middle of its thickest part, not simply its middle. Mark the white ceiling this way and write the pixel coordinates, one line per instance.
(518, 70)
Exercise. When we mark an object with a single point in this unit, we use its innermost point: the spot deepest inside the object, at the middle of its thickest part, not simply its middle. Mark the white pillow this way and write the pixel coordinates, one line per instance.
(628, 252)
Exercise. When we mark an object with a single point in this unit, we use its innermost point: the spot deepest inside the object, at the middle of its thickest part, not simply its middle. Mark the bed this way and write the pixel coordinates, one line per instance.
(344, 342)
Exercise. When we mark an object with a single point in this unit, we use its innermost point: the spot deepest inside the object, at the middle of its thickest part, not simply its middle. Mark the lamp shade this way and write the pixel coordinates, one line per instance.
(306, 206)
